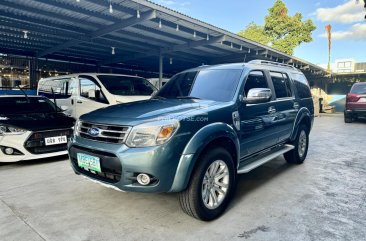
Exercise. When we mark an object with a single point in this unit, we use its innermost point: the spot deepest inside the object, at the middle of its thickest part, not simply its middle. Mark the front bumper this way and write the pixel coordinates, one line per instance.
(120, 164)
(17, 142)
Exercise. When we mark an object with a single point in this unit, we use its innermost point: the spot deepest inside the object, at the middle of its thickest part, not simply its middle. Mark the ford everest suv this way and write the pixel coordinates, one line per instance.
(205, 126)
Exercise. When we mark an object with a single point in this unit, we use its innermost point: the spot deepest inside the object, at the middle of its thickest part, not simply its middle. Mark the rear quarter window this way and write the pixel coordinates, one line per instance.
(302, 85)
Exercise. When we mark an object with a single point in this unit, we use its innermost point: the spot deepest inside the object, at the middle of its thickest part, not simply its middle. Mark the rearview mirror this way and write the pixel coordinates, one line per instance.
(258, 95)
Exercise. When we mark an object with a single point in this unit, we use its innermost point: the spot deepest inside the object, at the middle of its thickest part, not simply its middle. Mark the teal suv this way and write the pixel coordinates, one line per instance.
(197, 133)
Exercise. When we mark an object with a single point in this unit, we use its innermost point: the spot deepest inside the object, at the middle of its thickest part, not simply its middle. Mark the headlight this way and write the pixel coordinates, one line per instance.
(9, 130)
(152, 134)
(77, 128)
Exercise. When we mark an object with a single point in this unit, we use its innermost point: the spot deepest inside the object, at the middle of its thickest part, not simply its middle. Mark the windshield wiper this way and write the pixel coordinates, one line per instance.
(188, 97)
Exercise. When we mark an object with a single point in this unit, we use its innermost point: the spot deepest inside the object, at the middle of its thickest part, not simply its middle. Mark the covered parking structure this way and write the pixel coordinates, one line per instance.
(133, 36)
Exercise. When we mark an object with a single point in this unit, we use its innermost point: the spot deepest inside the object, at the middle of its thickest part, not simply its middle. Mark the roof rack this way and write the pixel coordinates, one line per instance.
(258, 61)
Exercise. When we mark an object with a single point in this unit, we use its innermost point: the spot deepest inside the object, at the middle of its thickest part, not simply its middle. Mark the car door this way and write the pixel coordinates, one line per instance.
(286, 106)
(90, 96)
(256, 120)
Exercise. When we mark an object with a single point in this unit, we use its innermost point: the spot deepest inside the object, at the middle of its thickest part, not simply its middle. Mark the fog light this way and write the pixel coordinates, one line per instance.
(9, 151)
(143, 179)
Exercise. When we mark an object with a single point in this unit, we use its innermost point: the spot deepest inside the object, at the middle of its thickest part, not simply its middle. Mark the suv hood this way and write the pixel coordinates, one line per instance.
(37, 121)
(148, 110)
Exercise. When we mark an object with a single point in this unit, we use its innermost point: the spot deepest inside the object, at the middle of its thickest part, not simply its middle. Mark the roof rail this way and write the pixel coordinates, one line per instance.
(266, 62)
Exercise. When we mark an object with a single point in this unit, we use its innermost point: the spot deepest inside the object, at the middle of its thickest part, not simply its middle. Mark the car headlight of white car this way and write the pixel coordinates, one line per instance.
(152, 133)
(10, 130)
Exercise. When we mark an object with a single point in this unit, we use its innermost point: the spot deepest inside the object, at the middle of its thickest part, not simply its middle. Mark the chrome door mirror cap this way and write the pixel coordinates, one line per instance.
(258, 95)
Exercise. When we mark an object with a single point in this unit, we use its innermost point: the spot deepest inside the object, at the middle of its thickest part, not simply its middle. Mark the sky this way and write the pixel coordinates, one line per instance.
(346, 17)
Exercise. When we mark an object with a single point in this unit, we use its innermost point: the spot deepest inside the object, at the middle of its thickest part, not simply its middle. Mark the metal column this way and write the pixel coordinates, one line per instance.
(160, 70)
(33, 73)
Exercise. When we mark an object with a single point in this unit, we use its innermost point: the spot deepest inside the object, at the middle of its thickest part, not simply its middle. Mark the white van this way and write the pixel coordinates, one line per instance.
(78, 94)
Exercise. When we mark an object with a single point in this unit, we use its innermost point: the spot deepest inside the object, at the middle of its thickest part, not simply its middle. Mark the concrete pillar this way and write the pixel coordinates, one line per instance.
(160, 70)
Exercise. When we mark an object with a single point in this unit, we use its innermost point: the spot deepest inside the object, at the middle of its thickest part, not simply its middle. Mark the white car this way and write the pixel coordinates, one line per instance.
(32, 127)
(78, 94)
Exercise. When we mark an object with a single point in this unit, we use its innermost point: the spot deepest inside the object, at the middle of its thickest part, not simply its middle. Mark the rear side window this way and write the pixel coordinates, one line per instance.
(58, 86)
(302, 85)
(281, 84)
(359, 89)
(255, 79)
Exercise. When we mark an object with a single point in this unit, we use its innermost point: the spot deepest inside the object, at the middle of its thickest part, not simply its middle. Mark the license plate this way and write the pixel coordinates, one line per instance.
(89, 162)
(55, 140)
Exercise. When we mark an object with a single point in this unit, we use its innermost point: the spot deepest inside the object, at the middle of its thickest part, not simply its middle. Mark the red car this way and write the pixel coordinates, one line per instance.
(355, 102)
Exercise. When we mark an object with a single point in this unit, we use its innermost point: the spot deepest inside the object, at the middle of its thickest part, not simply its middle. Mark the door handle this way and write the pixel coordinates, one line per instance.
(72, 101)
(271, 110)
(79, 102)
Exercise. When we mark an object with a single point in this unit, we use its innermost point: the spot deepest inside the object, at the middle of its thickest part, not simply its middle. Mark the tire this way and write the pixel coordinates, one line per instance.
(301, 143)
(347, 118)
(194, 200)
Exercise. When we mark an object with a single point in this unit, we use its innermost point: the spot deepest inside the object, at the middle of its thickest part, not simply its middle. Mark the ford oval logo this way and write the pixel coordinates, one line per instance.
(93, 131)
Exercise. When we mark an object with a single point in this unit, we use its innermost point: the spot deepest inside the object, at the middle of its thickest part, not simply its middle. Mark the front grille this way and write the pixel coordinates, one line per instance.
(110, 165)
(106, 133)
(35, 144)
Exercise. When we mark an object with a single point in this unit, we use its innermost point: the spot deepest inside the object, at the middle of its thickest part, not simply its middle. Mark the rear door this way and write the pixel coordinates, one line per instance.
(285, 104)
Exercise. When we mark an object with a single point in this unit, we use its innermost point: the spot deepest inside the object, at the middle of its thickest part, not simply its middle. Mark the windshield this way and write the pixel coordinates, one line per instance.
(217, 85)
(125, 85)
(359, 89)
(20, 105)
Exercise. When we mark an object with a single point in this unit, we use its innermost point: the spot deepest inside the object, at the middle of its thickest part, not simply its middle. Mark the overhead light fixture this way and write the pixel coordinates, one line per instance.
(208, 37)
(241, 47)
(177, 28)
(248, 51)
(194, 34)
(113, 50)
(256, 53)
(138, 14)
(171, 61)
(160, 23)
(25, 34)
(231, 45)
(110, 7)
(277, 59)
(222, 42)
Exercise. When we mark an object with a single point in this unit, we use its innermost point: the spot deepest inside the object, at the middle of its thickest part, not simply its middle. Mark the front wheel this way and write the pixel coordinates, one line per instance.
(211, 186)
(301, 143)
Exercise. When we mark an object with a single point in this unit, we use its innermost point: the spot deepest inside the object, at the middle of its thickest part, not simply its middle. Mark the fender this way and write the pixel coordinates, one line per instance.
(301, 114)
(194, 148)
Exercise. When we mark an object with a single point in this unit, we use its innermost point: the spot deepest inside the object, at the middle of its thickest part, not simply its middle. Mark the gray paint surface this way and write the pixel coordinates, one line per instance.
(323, 199)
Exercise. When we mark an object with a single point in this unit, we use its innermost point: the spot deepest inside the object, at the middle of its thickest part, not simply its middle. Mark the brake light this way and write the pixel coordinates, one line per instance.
(352, 97)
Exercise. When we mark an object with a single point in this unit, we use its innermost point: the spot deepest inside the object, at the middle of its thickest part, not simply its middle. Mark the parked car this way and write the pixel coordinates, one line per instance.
(78, 94)
(32, 127)
(200, 130)
(355, 102)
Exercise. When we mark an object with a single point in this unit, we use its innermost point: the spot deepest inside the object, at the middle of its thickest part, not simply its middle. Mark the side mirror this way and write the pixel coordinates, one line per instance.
(258, 95)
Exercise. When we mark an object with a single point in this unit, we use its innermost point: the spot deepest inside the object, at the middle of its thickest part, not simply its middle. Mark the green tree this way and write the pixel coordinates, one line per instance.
(280, 31)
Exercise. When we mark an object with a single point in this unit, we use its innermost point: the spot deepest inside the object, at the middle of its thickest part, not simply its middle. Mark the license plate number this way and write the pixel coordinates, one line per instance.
(55, 140)
(89, 162)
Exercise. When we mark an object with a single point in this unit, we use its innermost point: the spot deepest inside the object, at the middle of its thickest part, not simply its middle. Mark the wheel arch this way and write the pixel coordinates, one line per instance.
(303, 117)
(216, 134)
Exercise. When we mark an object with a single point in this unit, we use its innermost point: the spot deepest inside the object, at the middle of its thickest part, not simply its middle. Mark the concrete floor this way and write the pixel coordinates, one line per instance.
(323, 199)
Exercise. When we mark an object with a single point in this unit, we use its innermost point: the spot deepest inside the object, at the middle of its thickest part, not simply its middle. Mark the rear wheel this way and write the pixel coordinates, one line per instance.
(347, 118)
(211, 186)
(301, 143)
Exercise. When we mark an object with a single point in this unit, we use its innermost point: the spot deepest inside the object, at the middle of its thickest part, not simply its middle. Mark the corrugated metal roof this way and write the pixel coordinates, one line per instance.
(87, 30)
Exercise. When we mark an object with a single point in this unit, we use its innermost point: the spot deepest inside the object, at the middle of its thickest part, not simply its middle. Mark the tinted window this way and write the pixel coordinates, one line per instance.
(218, 85)
(89, 89)
(302, 85)
(18, 105)
(59, 87)
(359, 89)
(281, 84)
(125, 85)
(255, 79)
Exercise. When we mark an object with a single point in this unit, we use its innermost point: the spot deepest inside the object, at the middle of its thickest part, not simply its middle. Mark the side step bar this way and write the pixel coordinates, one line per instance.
(264, 159)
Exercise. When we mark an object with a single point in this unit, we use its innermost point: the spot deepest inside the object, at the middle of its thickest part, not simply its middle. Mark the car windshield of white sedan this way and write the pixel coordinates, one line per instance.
(22, 105)
(217, 85)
